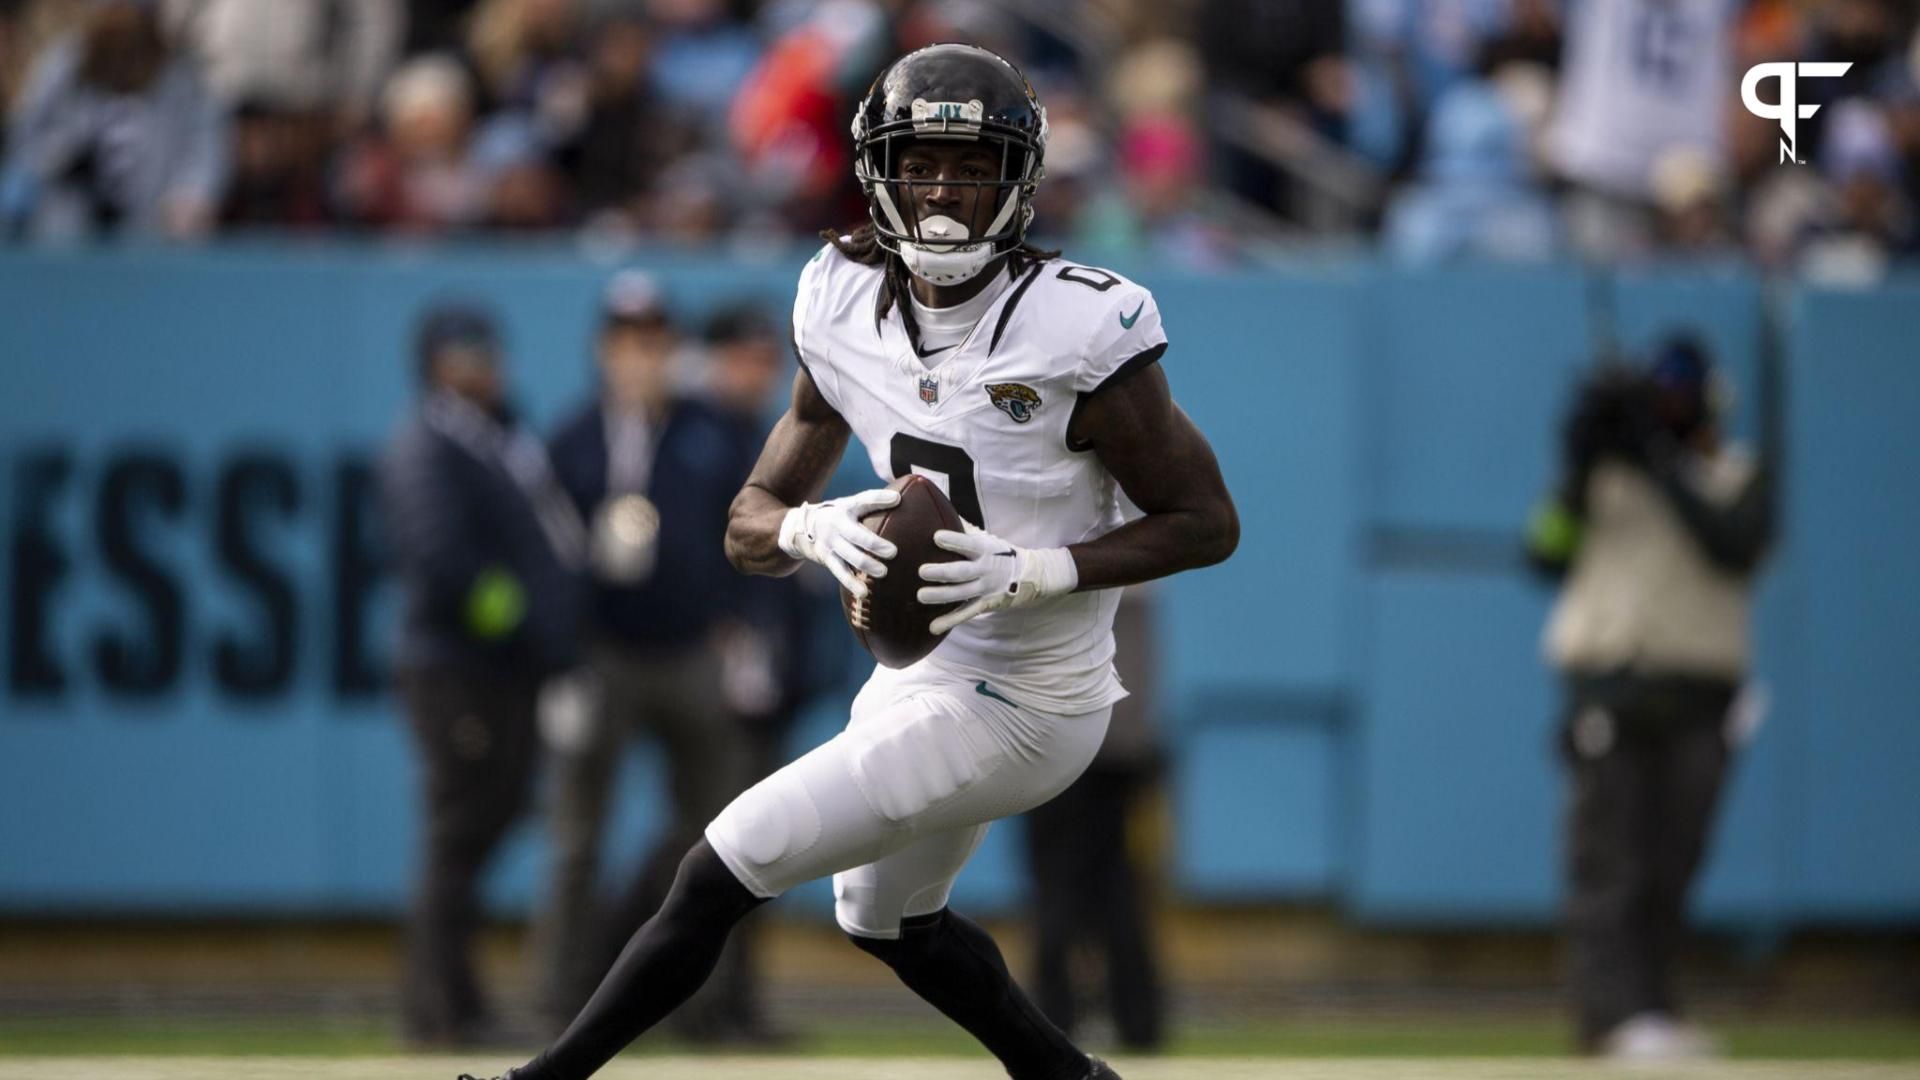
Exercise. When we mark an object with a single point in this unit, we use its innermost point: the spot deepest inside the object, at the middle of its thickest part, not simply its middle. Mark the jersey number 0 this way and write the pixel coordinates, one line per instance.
(950, 462)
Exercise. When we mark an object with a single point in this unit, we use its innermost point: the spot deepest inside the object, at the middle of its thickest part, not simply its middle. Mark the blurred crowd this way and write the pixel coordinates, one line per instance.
(1200, 132)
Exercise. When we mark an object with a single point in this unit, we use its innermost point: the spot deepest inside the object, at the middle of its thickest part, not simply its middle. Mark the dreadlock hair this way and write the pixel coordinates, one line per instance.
(862, 245)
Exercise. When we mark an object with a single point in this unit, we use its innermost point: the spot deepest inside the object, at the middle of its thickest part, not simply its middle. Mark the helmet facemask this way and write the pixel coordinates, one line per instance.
(938, 249)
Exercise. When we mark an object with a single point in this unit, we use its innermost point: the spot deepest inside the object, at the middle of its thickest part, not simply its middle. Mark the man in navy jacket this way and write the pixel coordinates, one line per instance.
(652, 471)
(484, 542)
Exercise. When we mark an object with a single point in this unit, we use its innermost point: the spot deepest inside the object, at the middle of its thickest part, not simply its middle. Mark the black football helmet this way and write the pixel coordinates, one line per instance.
(956, 92)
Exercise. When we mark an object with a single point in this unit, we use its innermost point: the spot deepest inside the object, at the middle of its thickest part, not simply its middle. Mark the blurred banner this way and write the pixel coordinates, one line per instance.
(195, 715)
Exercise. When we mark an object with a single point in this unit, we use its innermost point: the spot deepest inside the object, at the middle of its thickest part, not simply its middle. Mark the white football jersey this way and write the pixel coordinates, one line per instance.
(989, 425)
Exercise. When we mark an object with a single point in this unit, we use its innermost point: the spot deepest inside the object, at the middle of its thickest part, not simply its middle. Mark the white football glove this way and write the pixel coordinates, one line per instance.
(830, 534)
(994, 576)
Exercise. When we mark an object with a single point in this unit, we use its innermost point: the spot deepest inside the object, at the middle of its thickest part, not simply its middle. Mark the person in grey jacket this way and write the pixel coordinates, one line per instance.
(1659, 531)
(486, 546)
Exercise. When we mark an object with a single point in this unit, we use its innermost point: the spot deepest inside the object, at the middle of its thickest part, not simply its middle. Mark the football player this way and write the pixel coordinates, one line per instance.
(1029, 388)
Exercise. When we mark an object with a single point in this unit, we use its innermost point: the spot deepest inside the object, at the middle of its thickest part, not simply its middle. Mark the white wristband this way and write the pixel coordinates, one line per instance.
(1055, 571)
(793, 529)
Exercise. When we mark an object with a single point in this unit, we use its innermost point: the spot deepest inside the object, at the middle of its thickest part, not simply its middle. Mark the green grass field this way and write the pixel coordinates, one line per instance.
(1443, 1049)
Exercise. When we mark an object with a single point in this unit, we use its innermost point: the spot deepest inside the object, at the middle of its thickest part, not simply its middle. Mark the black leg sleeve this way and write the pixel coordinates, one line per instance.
(955, 967)
(667, 960)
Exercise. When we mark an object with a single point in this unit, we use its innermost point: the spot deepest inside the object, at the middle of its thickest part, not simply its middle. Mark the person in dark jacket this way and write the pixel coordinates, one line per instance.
(1658, 531)
(1091, 896)
(653, 472)
(776, 658)
(483, 539)
(787, 644)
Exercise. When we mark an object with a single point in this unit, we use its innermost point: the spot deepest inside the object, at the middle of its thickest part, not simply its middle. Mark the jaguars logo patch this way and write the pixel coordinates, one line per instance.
(1017, 400)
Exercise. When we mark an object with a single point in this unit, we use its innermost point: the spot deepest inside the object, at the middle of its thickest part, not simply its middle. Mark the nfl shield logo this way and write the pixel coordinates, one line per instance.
(929, 389)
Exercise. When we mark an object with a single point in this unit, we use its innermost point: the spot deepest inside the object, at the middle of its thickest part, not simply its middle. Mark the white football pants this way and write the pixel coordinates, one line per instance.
(895, 805)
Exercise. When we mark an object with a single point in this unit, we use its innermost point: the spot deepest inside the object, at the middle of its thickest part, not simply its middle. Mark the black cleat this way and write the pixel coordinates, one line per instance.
(1101, 1070)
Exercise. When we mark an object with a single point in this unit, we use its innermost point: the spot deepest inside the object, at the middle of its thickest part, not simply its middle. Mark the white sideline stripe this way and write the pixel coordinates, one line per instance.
(770, 1068)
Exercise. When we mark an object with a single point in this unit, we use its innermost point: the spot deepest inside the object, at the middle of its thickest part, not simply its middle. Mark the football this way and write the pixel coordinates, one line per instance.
(891, 622)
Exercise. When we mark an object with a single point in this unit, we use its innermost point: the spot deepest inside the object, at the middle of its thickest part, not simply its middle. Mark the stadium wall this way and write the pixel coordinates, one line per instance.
(194, 720)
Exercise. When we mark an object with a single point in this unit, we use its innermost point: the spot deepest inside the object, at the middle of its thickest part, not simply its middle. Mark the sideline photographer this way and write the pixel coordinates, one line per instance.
(1658, 530)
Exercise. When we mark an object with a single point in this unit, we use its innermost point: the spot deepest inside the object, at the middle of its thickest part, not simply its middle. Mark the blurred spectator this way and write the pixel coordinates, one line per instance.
(711, 122)
(743, 364)
(790, 118)
(696, 203)
(327, 57)
(1850, 216)
(1442, 41)
(1900, 103)
(702, 58)
(1088, 885)
(1642, 80)
(1864, 33)
(426, 169)
(1158, 211)
(1409, 54)
(27, 29)
(1286, 53)
(528, 196)
(280, 165)
(436, 26)
(114, 132)
(297, 77)
(977, 22)
(1080, 200)
(1659, 528)
(1161, 165)
(484, 540)
(1475, 197)
(1869, 219)
(1286, 56)
(1692, 218)
(438, 161)
(654, 472)
(628, 137)
(530, 57)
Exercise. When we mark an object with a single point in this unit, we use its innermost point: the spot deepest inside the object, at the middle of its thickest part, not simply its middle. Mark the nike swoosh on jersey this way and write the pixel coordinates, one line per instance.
(1127, 321)
(988, 691)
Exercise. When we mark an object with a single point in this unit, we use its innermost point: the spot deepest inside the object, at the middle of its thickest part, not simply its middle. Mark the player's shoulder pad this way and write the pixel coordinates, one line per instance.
(828, 286)
(833, 291)
(1109, 321)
